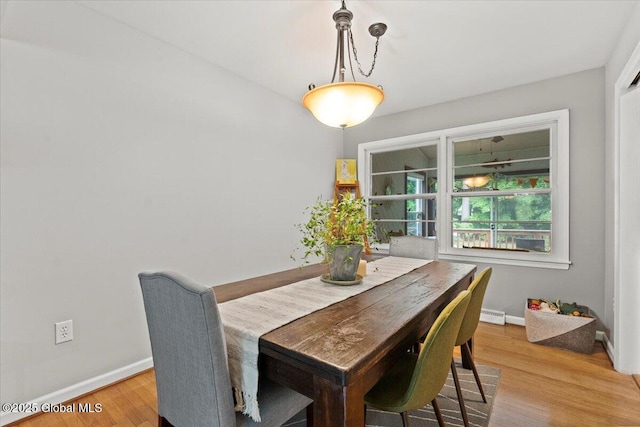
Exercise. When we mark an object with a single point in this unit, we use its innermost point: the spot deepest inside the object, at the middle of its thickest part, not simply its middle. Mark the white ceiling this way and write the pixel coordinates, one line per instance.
(434, 51)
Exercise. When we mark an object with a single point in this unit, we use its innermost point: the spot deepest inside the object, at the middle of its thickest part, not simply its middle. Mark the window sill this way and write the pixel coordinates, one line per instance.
(383, 249)
(548, 264)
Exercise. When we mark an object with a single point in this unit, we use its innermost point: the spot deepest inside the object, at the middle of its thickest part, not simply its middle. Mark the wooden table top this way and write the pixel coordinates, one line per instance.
(335, 355)
(344, 338)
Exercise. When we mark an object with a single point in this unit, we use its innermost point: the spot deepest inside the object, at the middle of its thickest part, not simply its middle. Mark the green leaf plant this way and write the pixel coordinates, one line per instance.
(335, 222)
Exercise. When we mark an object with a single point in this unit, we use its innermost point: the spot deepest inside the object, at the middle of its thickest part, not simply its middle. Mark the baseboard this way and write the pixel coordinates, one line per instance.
(515, 320)
(608, 347)
(77, 390)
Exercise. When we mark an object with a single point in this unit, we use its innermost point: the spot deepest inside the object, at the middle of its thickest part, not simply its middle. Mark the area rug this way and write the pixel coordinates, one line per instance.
(477, 411)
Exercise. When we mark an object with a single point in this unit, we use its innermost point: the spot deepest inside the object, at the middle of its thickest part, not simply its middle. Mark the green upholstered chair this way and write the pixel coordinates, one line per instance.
(417, 378)
(467, 329)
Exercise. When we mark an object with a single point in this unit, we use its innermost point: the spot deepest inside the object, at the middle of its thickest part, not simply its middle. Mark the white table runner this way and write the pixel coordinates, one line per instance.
(246, 319)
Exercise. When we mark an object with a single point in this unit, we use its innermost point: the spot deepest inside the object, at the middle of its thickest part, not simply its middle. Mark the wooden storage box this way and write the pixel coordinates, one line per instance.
(575, 333)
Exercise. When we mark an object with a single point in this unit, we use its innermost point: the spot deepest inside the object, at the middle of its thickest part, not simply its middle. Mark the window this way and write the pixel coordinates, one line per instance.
(402, 188)
(415, 208)
(499, 194)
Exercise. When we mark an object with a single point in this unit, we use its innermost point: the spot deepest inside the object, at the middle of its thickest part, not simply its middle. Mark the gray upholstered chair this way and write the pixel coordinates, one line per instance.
(190, 359)
(413, 247)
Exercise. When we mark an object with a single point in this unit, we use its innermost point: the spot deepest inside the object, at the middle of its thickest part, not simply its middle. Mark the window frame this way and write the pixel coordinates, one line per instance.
(395, 144)
(559, 167)
(423, 223)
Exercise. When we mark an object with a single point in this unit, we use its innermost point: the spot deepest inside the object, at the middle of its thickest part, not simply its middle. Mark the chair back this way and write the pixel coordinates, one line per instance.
(434, 360)
(189, 351)
(471, 319)
(413, 247)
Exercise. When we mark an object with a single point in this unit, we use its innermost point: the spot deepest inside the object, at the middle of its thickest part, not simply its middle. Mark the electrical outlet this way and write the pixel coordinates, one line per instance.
(64, 331)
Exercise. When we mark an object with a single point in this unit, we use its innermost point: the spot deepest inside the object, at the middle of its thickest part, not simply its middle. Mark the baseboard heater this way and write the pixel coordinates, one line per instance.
(492, 316)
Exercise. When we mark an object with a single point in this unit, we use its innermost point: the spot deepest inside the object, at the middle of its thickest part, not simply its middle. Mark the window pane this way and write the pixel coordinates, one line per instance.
(521, 222)
(391, 169)
(415, 158)
(405, 183)
(519, 160)
(414, 217)
(532, 174)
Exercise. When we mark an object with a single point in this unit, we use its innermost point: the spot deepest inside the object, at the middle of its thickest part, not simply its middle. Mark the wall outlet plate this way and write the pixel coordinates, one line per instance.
(64, 331)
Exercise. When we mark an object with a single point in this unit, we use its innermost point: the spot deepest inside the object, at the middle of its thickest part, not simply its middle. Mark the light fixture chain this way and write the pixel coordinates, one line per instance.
(335, 64)
(355, 55)
(353, 76)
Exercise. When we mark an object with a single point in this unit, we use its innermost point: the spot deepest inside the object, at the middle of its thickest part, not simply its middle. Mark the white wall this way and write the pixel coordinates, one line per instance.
(583, 94)
(629, 39)
(122, 154)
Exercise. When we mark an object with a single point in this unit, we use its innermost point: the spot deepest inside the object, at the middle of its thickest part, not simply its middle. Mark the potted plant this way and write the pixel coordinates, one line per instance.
(336, 230)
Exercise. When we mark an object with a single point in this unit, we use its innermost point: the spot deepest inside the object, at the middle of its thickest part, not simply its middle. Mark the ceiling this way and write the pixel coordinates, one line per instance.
(433, 51)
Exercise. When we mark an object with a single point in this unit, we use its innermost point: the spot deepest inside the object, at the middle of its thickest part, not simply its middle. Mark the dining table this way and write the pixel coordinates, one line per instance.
(336, 354)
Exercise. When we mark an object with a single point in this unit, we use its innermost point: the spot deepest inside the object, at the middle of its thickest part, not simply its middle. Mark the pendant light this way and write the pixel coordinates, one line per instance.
(343, 104)
(476, 181)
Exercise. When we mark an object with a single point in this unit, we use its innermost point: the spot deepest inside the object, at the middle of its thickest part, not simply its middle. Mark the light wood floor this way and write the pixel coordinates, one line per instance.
(543, 386)
(539, 386)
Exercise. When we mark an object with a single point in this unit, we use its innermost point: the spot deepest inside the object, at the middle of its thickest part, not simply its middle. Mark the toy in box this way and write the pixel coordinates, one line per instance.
(567, 326)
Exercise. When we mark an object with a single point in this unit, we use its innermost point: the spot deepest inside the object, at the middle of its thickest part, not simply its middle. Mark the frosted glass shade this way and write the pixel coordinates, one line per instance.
(343, 104)
(476, 181)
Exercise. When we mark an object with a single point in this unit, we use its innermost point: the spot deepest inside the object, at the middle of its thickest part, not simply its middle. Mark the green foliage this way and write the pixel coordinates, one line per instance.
(566, 308)
(331, 223)
(523, 207)
(411, 186)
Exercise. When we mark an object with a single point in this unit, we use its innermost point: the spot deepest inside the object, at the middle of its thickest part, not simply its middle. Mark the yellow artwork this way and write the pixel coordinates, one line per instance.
(346, 171)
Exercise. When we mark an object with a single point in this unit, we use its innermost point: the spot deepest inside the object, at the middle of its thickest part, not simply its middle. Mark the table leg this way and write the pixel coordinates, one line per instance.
(335, 405)
(310, 414)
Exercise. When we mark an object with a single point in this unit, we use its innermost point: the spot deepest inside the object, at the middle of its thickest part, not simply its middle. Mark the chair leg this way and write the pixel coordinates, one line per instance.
(456, 381)
(365, 416)
(405, 419)
(436, 409)
(465, 348)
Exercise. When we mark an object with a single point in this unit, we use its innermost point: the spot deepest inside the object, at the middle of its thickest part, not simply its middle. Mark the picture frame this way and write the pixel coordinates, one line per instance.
(346, 171)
